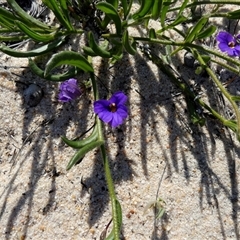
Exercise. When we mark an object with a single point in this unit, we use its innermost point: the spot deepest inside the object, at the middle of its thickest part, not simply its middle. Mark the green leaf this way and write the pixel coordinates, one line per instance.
(65, 10)
(55, 78)
(24, 17)
(111, 12)
(182, 8)
(194, 116)
(165, 7)
(129, 47)
(36, 52)
(206, 32)
(117, 214)
(130, 2)
(7, 18)
(236, 98)
(12, 38)
(89, 51)
(114, 3)
(83, 142)
(55, 7)
(100, 51)
(233, 15)
(146, 6)
(177, 21)
(196, 29)
(152, 33)
(125, 8)
(117, 53)
(156, 9)
(69, 58)
(34, 34)
(82, 152)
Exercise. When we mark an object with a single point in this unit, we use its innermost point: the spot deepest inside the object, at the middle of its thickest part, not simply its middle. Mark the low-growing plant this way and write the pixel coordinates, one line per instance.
(74, 18)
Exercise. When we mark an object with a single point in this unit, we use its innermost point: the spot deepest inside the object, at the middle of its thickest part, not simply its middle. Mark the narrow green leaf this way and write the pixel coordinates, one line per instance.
(234, 14)
(165, 7)
(176, 22)
(69, 58)
(236, 98)
(48, 4)
(152, 33)
(64, 7)
(196, 29)
(88, 51)
(192, 111)
(145, 8)
(118, 216)
(114, 3)
(206, 32)
(72, 72)
(112, 13)
(130, 2)
(125, 8)
(82, 152)
(26, 17)
(129, 47)
(4, 23)
(117, 53)
(182, 8)
(35, 52)
(83, 142)
(156, 9)
(12, 38)
(54, 6)
(100, 51)
(33, 34)
(7, 18)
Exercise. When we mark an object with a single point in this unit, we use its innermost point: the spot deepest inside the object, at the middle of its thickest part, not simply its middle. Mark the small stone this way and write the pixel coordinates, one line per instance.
(33, 95)
(189, 60)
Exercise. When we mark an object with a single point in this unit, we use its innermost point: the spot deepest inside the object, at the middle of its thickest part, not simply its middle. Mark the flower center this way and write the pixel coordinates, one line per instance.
(231, 44)
(113, 107)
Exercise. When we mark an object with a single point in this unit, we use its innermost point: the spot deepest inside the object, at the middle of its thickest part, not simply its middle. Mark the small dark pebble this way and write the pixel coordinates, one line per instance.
(33, 95)
(189, 60)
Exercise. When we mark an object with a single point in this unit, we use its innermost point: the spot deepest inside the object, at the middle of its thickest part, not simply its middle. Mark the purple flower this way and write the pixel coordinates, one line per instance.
(69, 90)
(112, 111)
(228, 43)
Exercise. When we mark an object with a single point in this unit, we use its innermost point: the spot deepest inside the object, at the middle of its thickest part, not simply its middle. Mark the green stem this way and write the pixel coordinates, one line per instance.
(187, 92)
(108, 176)
(226, 66)
(195, 46)
(116, 227)
(207, 2)
(223, 90)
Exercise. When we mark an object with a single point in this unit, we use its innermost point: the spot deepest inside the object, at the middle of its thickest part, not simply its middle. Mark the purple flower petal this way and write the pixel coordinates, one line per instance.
(101, 105)
(106, 116)
(118, 98)
(112, 111)
(69, 90)
(228, 44)
(122, 111)
(223, 47)
(116, 120)
(224, 37)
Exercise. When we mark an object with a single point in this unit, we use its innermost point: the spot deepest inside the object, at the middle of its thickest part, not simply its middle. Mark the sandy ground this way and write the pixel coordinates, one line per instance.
(157, 153)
